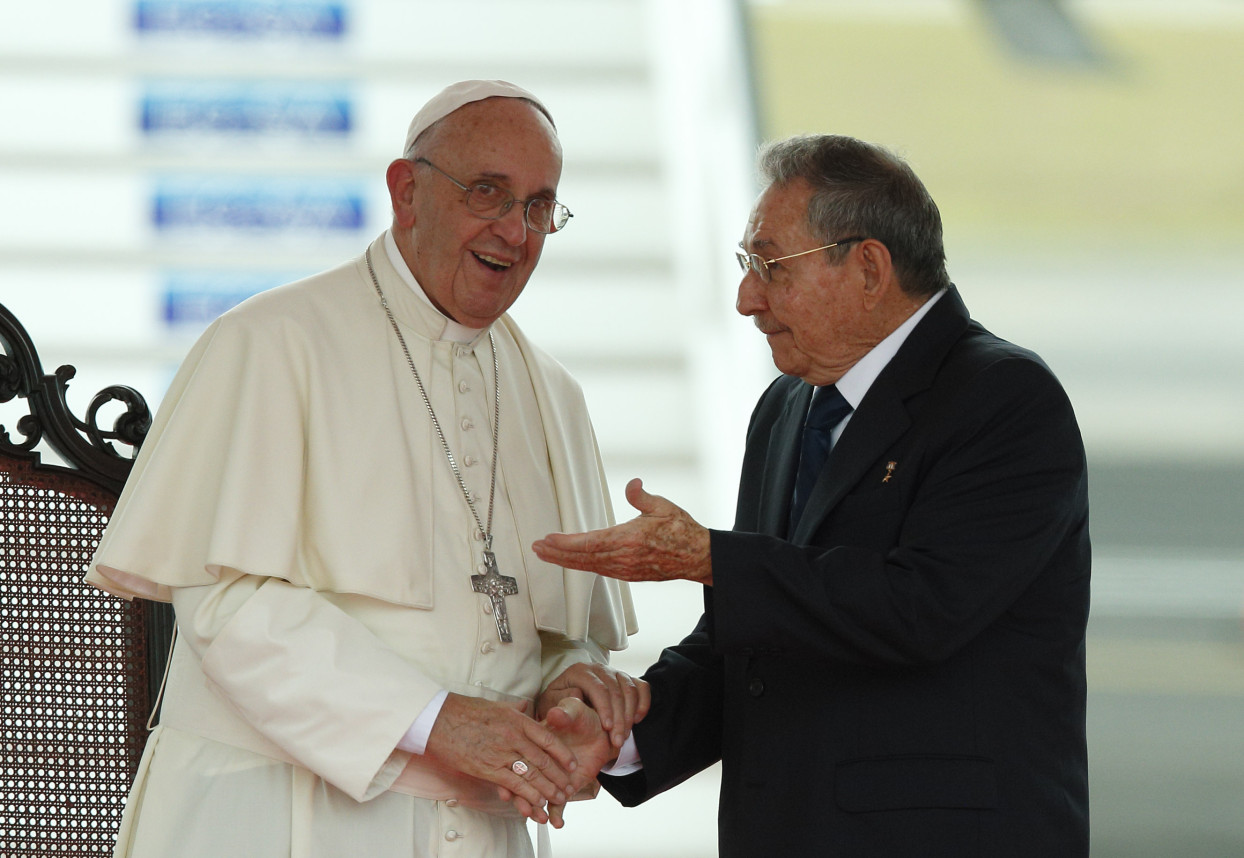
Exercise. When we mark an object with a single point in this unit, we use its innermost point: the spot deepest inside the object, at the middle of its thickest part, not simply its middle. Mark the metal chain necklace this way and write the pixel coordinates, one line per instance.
(491, 583)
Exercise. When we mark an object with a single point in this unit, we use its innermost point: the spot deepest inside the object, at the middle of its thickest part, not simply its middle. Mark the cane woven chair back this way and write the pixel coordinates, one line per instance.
(79, 668)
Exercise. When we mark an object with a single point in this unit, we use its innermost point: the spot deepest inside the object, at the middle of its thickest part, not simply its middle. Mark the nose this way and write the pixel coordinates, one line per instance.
(751, 298)
(512, 226)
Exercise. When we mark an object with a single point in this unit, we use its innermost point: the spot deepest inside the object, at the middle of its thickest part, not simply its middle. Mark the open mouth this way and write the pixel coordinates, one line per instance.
(492, 262)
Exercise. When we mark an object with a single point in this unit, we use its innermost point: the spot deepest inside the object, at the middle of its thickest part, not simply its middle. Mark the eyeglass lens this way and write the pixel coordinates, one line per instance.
(492, 202)
(753, 262)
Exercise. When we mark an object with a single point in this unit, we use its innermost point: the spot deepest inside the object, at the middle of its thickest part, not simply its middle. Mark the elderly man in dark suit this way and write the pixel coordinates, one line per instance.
(891, 657)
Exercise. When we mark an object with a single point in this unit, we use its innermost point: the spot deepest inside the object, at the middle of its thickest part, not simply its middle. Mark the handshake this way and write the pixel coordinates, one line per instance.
(539, 763)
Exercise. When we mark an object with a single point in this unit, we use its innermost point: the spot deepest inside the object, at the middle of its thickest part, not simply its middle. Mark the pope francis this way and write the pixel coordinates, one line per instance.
(339, 496)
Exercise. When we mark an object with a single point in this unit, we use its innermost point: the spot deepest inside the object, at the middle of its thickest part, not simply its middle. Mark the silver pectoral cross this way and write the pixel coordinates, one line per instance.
(496, 587)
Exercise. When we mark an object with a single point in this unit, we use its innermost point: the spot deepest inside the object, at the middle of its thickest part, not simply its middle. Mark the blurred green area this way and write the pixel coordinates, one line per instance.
(1144, 147)
(1116, 189)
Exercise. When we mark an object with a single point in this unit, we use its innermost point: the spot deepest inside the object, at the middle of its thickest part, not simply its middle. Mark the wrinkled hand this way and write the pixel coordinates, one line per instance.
(619, 699)
(577, 725)
(661, 544)
(483, 739)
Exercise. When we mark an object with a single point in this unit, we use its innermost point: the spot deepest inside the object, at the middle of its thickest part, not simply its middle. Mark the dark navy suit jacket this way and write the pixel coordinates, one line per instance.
(903, 674)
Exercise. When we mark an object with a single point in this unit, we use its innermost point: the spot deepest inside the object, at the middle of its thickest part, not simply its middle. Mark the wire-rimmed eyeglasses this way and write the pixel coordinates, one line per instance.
(491, 202)
(757, 263)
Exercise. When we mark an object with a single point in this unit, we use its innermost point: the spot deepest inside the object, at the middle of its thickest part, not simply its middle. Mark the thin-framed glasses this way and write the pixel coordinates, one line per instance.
(757, 263)
(491, 202)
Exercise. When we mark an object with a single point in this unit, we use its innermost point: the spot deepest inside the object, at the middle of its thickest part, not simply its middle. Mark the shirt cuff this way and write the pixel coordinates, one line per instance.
(416, 739)
(628, 761)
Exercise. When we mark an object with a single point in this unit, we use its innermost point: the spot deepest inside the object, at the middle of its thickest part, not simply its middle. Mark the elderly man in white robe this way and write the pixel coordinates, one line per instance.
(339, 496)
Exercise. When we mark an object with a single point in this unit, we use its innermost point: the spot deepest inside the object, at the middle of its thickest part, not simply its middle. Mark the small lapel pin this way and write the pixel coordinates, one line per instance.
(889, 471)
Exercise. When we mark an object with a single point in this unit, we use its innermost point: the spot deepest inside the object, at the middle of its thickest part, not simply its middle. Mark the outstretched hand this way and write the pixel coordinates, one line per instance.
(661, 544)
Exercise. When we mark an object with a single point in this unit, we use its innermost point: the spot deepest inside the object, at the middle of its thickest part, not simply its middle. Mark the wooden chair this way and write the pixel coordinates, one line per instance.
(79, 669)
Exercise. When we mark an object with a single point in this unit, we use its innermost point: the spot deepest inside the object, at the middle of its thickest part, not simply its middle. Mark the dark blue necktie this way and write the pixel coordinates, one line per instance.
(828, 409)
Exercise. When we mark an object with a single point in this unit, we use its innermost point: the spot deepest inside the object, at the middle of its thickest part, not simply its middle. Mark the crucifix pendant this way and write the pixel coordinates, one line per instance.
(496, 587)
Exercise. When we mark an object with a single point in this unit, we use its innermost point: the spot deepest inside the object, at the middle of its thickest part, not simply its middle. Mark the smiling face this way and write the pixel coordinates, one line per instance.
(815, 315)
(473, 269)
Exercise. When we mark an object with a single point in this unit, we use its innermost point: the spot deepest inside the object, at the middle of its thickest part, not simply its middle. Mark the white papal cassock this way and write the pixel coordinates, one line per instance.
(294, 503)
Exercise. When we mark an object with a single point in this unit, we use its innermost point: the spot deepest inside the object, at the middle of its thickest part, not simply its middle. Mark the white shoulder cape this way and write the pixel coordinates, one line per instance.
(288, 446)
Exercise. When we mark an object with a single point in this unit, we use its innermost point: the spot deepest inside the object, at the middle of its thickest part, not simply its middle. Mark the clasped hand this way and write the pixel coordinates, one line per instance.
(585, 714)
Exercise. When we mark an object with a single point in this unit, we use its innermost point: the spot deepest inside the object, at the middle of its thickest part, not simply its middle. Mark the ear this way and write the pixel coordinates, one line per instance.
(877, 268)
(401, 179)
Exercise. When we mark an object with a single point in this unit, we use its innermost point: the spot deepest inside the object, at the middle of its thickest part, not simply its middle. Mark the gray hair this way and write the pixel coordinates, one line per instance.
(865, 190)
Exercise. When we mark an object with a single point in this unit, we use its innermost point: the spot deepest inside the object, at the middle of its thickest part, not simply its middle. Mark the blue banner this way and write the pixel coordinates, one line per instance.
(242, 109)
(253, 19)
(193, 299)
(259, 205)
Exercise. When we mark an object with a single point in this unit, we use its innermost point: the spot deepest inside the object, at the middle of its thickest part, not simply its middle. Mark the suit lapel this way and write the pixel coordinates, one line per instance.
(883, 417)
(871, 431)
(778, 481)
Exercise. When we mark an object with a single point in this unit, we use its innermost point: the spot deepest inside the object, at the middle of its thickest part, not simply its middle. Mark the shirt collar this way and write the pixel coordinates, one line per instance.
(856, 381)
(452, 331)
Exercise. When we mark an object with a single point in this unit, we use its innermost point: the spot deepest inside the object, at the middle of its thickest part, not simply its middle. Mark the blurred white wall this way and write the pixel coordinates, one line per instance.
(162, 159)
